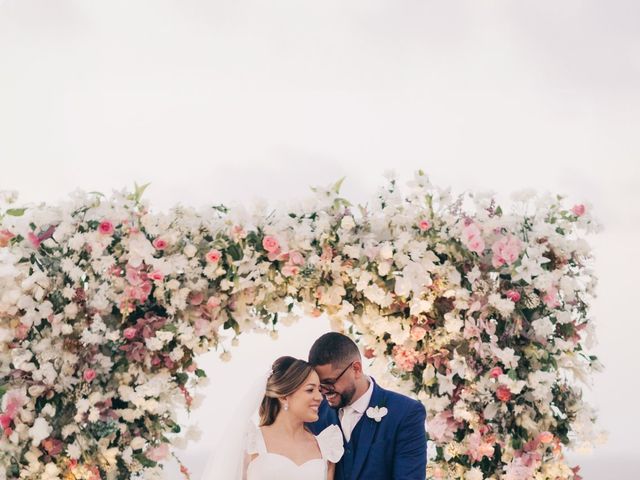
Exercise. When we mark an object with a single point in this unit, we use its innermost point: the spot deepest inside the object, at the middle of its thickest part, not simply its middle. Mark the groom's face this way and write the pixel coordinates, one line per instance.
(337, 383)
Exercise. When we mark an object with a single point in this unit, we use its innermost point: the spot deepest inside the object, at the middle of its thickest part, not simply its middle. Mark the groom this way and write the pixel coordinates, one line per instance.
(379, 444)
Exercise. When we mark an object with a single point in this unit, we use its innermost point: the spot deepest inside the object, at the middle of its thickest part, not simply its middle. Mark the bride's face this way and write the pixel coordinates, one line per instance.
(305, 402)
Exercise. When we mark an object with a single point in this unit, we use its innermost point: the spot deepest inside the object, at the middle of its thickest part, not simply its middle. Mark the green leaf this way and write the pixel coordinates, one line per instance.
(138, 192)
(235, 251)
(200, 373)
(144, 461)
(16, 212)
(336, 187)
(182, 378)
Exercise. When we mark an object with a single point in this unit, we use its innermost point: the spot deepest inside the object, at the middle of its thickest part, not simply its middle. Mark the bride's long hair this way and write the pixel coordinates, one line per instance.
(288, 375)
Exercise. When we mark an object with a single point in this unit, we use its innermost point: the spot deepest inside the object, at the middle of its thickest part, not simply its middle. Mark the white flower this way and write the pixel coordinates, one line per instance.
(39, 431)
(154, 343)
(445, 384)
(453, 323)
(51, 472)
(507, 356)
(138, 443)
(474, 474)
(73, 451)
(386, 251)
(347, 222)
(377, 413)
(503, 305)
(190, 250)
(474, 274)
(515, 386)
(543, 327)
(49, 410)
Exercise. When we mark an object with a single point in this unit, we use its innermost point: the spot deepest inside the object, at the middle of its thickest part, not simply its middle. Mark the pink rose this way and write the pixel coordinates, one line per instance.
(503, 393)
(406, 358)
(106, 227)
(202, 326)
(15, 400)
(5, 421)
(53, 446)
(238, 233)
(129, 333)
(418, 333)
(513, 295)
(196, 298)
(424, 225)
(442, 427)
(156, 275)
(160, 243)
(545, 437)
(495, 372)
(369, 353)
(472, 238)
(551, 299)
(5, 237)
(270, 244)
(296, 258)
(213, 256)
(578, 210)
(158, 453)
(21, 331)
(192, 367)
(506, 251)
(478, 447)
(213, 302)
(89, 374)
(289, 270)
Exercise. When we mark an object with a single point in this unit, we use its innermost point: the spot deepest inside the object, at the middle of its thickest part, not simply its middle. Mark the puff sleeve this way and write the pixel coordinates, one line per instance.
(331, 443)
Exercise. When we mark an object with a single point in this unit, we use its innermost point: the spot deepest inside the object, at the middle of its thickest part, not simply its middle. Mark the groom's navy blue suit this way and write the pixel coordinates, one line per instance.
(393, 449)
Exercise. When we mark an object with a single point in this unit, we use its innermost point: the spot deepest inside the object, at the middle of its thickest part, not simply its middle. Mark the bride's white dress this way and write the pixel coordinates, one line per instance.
(272, 466)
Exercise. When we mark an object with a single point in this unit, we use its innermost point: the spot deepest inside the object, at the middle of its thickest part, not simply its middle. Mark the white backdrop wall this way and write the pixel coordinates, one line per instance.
(234, 101)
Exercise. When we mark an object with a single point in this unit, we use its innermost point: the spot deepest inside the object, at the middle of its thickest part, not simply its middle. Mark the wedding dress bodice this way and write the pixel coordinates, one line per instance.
(273, 466)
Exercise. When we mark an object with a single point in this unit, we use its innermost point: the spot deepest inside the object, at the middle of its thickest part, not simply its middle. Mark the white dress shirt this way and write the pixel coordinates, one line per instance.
(351, 414)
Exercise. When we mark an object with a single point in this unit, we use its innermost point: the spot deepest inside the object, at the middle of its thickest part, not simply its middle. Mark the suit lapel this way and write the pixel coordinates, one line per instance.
(367, 432)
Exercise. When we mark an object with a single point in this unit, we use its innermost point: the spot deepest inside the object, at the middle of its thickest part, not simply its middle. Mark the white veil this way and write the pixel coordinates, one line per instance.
(227, 460)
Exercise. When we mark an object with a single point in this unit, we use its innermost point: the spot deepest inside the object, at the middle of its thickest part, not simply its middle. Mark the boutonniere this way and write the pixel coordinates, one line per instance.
(377, 413)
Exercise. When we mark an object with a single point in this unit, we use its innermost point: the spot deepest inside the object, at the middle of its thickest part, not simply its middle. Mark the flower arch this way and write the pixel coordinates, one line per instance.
(479, 312)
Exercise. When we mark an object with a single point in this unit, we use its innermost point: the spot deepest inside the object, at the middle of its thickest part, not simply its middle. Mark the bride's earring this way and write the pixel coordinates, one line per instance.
(286, 406)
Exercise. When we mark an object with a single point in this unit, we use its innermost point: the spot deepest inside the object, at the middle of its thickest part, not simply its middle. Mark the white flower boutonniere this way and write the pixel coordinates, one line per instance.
(377, 413)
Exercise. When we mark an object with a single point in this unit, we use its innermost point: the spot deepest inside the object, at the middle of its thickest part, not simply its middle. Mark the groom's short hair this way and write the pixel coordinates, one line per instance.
(333, 348)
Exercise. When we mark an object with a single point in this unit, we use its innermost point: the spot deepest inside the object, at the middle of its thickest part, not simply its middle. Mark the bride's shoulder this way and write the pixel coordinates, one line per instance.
(331, 444)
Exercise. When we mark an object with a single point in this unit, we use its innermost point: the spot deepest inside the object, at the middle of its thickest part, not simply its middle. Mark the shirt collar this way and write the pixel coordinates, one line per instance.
(362, 403)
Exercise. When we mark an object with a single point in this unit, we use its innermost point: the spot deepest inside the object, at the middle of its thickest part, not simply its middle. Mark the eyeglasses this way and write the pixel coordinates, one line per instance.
(328, 386)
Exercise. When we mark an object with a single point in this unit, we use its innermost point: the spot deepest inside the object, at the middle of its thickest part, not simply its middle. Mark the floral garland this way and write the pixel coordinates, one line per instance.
(480, 313)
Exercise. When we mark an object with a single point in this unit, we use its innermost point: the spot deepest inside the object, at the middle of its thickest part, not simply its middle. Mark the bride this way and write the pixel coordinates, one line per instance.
(281, 447)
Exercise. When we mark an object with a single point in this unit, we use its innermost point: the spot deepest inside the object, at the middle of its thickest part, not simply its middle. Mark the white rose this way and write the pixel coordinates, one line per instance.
(386, 251)
(474, 474)
(543, 327)
(384, 268)
(48, 410)
(190, 250)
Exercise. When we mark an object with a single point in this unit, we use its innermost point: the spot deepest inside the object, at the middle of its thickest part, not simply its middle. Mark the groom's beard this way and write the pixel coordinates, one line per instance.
(345, 398)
